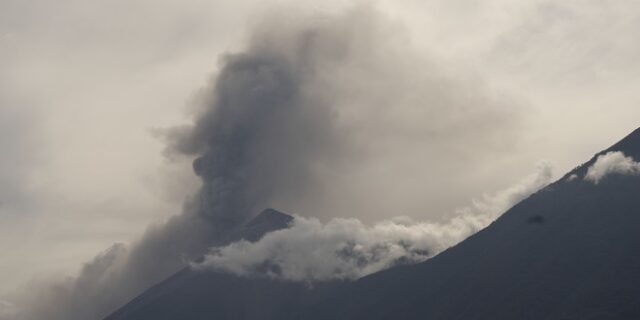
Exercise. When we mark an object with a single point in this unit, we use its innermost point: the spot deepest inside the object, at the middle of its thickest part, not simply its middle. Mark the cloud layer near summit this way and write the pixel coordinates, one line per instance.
(612, 163)
(311, 251)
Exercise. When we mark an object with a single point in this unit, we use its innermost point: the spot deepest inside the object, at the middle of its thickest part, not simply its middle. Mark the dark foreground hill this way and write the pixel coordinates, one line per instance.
(191, 294)
(570, 251)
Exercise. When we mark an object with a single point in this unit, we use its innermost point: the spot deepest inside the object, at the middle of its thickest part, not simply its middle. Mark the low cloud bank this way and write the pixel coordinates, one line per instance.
(612, 163)
(348, 249)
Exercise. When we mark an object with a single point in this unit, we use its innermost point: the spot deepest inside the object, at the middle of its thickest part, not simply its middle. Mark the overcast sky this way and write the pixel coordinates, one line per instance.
(487, 89)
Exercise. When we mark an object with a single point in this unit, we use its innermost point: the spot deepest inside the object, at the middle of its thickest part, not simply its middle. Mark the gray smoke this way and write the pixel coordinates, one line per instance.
(261, 133)
(291, 112)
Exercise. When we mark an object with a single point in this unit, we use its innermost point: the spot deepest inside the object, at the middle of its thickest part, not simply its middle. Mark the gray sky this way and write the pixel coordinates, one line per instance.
(85, 85)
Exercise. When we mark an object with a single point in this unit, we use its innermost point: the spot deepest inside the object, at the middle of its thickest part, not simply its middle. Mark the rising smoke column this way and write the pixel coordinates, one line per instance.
(283, 114)
(261, 132)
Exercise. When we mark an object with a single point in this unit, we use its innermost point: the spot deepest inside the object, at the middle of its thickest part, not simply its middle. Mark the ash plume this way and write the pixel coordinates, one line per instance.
(302, 105)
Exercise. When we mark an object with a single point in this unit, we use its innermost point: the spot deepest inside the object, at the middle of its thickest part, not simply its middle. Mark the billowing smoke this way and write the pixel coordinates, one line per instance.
(284, 116)
(614, 162)
(348, 249)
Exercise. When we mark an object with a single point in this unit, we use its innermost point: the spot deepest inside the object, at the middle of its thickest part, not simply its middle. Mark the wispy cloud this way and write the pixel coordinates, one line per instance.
(348, 249)
(614, 162)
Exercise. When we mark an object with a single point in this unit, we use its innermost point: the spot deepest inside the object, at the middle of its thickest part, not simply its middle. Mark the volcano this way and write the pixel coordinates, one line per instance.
(192, 294)
(569, 251)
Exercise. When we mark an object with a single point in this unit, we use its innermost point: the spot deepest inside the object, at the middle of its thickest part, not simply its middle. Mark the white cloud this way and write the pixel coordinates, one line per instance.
(348, 249)
(611, 163)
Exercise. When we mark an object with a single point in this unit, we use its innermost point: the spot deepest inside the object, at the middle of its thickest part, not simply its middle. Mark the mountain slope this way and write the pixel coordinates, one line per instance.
(567, 252)
(191, 294)
(196, 295)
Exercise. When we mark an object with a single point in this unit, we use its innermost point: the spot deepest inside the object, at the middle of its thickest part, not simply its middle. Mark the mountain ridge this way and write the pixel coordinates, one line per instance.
(567, 220)
(266, 221)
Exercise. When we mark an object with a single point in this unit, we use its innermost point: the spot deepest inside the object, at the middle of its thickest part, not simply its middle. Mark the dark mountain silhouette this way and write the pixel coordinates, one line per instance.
(191, 294)
(268, 220)
(567, 252)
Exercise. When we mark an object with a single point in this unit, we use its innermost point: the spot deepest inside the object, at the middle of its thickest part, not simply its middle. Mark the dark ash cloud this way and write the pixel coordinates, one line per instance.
(287, 121)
